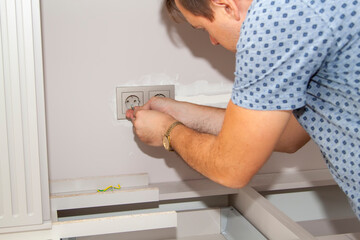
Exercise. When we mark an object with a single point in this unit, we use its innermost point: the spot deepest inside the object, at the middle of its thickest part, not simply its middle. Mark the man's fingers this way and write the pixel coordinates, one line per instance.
(130, 114)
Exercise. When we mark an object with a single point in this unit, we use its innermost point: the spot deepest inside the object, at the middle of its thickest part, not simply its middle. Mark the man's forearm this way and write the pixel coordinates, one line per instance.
(196, 149)
(200, 118)
(209, 156)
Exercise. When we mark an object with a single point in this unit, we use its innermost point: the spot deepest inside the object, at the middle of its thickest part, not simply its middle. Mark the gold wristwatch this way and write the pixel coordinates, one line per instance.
(166, 137)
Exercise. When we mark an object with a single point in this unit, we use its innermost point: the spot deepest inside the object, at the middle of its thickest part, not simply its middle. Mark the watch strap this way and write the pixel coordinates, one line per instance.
(167, 134)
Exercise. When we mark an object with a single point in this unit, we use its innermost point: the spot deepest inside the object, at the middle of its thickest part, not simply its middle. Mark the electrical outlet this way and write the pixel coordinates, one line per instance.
(130, 97)
(130, 100)
(159, 93)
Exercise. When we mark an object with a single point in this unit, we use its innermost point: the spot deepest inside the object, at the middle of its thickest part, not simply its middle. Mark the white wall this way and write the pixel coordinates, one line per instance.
(93, 46)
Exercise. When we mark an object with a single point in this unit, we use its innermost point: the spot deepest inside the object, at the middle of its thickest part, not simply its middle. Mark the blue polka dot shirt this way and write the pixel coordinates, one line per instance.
(305, 56)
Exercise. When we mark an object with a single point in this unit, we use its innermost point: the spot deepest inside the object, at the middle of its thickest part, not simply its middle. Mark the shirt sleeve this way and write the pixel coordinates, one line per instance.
(281, 45)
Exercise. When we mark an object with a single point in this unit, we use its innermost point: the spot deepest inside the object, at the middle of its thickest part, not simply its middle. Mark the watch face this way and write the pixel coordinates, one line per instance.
(166, 143)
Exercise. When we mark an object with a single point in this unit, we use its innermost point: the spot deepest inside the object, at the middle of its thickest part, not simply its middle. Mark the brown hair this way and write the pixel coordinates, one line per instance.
(196, 7)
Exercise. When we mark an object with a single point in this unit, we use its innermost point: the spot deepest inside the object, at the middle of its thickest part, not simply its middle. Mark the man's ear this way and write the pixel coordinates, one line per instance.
(230, 6)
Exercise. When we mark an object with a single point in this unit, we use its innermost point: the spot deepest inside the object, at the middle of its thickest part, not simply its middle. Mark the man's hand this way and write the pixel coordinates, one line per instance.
(149, 125)
(161, 104)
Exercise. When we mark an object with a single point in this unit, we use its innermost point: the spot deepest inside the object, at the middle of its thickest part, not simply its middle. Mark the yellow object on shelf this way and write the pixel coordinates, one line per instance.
(109, 188)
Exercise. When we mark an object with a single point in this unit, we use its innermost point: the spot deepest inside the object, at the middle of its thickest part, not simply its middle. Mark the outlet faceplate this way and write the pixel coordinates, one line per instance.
(129, 97)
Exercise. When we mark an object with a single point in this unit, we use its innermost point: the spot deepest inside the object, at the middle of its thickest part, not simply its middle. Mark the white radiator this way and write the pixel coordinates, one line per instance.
(21, 148)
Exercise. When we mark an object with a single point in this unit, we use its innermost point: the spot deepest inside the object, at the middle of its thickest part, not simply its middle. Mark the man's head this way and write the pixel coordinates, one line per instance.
(196, 7)
(222, 19)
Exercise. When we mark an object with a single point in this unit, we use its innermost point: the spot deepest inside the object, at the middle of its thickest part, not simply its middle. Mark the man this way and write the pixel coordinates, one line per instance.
(297, 74)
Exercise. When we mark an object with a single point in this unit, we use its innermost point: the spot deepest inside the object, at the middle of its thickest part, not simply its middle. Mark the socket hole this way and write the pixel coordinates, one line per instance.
(160, 95)
(132, 101)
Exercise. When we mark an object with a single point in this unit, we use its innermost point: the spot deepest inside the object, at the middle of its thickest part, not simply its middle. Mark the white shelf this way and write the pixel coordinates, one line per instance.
(115, 224)
(292, 180)
(94, 183)
(101, 199)
(191, 189)
(104, 225)
(82, 192)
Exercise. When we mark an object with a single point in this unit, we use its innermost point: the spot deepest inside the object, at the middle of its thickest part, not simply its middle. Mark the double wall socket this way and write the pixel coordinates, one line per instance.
(130, 97)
